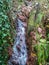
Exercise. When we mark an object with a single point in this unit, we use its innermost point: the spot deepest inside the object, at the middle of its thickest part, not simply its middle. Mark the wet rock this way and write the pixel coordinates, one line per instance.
(25, 24)
(26, 10)
(18, 47)
(9, 62)
(22, 17)
(14, 63)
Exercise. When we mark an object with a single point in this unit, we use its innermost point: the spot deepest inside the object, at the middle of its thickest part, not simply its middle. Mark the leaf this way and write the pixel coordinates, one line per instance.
(7, 25)
(43, 40)
(48, 35)
(33, 54)
(4, 41)
(3, 28)
(47, 26)
(4, 35)
(39, 17)
(47, 42)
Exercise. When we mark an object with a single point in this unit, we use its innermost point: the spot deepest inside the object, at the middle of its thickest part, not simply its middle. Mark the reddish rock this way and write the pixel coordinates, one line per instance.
(26, 10)
(32, 33)
(25, 24)
(43, 35)
(43, 31)
(34, 37)
(9, 51)
(22, 17)
(39, 30)
(29, 9)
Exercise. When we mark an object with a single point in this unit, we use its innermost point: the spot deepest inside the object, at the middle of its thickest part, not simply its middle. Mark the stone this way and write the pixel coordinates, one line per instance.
(22, 17)
(28, 3)
(39, 30)
(9, 51)
(26, 10)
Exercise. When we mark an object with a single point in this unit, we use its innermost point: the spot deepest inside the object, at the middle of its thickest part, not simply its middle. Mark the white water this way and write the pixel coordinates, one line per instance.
(19, 54)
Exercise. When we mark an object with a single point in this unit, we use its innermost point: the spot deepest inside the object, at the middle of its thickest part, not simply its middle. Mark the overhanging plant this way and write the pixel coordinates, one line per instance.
(5, 35)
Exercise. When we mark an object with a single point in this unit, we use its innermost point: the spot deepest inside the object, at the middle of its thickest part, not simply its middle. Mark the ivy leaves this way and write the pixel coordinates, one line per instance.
(5, 35)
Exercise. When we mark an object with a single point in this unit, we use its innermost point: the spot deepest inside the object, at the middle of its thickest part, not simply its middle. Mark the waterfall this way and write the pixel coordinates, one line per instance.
(19, 55)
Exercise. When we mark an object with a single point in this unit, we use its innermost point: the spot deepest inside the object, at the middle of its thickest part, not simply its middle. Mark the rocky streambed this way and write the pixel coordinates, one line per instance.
(19, 53)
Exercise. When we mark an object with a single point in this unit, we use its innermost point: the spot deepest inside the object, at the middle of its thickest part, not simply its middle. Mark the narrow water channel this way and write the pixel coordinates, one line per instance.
(19, 55)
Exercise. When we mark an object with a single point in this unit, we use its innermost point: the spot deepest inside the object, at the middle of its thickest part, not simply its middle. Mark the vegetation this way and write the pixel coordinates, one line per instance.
(5, 34)
(38, 32)
(40, 44)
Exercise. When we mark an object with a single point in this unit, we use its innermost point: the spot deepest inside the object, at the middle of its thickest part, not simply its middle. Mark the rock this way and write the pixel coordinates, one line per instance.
(26, 10)
(22, 17)
(34, 42)
(39, 30)
(43, 31)
(9, 51)
(25, 24)
(34, 37)
(14, 63)
(32, 60)
(28, 3)
(32, 33)
(18, 47)
(9, 62)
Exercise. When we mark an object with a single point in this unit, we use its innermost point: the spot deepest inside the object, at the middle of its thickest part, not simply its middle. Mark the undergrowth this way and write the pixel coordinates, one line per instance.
(5, 33)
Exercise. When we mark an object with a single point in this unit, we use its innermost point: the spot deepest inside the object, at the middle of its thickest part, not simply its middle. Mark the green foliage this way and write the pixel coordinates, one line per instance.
(5, 36)
(31, 22)
(39, 19)
(42, 51)
(48, 35)
(20, 0)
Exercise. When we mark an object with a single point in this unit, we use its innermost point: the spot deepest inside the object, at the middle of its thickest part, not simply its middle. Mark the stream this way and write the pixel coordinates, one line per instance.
(19, 55)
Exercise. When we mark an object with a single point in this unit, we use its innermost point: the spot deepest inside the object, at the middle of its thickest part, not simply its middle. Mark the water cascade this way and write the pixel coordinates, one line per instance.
(19, 55)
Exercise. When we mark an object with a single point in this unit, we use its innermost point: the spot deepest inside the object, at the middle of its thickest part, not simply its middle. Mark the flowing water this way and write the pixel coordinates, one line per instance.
(19, 55)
